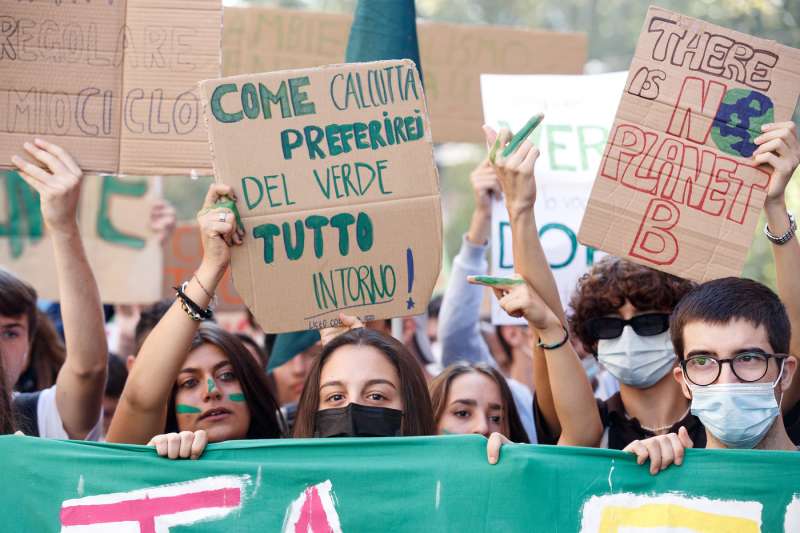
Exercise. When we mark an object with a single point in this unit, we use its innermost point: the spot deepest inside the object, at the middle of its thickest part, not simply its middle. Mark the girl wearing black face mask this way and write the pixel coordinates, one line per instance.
(364, 384)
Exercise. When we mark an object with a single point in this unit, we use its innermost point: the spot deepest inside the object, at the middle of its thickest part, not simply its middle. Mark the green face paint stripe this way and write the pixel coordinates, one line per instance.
(236, 397)
(211, 385)
(495, 281)
(183, 409)
(522, 134)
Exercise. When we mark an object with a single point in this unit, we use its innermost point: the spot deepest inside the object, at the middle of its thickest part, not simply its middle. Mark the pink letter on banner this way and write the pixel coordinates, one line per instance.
(156, 509)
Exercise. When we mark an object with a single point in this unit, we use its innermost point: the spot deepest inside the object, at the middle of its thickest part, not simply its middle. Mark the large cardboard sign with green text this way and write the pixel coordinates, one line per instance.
(114, 220)
(337, 189)
(677, 188)
(115, 83)
(453, 56)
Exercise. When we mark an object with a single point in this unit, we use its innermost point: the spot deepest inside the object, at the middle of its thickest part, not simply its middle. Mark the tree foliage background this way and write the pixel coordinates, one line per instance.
(613, 27)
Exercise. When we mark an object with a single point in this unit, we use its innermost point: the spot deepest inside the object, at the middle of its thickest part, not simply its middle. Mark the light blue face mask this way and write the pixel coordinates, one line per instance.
(637, 361)
(737, 414)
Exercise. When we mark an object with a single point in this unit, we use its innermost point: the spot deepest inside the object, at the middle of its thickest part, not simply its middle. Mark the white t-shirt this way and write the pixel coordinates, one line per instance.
(48, 419)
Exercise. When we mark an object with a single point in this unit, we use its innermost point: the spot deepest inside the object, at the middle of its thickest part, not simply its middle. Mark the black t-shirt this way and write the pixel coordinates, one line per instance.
(791, 421)
(619, 430)
(26, 416)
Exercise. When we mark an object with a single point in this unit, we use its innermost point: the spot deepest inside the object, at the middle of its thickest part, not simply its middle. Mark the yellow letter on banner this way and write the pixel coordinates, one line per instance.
(671, 515)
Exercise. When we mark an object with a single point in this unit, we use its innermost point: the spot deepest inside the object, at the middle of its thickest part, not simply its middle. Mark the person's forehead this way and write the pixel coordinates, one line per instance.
(725, 339)
(475, 386)
(205, 357)
(7, 320)
(358, 364)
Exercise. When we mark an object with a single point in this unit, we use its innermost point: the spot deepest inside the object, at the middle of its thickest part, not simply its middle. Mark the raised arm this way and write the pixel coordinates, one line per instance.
(517, 179)
(141, 411)
(779, 148)
(459, 316)
(573, 400)
(82, 378)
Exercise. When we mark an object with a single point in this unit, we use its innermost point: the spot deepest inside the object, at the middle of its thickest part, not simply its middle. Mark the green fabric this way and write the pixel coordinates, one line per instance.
(288, 345)
(400, 485)
(384, 29)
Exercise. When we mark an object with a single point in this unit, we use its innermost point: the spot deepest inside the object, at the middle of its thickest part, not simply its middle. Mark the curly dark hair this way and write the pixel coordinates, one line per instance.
(610, 282)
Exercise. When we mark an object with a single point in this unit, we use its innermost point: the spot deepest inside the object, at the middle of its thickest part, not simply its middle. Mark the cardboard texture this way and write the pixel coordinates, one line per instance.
(453, 56)
(114, 220)
(182, 257)
(570, 140)
(677, 189)
(112, 82)
(337, 190)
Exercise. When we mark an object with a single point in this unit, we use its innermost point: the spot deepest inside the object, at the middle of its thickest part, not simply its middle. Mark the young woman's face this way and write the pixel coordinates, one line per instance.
(209, 396)
(474, 405)
(359, 374)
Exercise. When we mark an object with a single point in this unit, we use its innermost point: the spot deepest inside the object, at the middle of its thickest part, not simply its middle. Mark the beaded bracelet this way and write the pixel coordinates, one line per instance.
(188, 305)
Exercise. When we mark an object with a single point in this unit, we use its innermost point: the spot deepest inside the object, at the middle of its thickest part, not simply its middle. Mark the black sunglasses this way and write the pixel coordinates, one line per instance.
(610, 327)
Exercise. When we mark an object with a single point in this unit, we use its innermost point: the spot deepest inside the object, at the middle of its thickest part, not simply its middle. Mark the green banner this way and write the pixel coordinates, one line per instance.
(404, 484)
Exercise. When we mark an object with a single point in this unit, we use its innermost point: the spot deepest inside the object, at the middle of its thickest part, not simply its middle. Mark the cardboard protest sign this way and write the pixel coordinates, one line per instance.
(677, 189)
(258, 39)
(114, 218)
(182, 257)
(337, 189)
(112, 82)
(571, 140)
(351, 485)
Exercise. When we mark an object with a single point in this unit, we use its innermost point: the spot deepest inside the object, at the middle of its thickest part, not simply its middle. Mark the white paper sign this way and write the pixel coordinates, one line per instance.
(579, 111)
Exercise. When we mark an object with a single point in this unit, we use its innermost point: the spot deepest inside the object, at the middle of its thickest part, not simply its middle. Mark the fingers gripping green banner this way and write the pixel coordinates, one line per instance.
(404, 484)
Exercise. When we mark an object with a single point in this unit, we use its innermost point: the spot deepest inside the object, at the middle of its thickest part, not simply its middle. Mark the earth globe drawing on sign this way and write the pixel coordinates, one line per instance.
(739, 119)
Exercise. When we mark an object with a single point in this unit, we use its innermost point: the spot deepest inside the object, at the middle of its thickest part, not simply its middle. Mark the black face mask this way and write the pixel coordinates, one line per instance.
(356, 420)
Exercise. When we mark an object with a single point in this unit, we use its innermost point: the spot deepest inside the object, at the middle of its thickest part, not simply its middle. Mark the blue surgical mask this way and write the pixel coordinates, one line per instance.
(737, 414)
(635, 360)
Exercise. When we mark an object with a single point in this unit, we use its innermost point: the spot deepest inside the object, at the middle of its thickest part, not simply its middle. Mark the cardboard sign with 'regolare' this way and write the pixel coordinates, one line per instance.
(337, 189)
(677, 188)
(114, 83)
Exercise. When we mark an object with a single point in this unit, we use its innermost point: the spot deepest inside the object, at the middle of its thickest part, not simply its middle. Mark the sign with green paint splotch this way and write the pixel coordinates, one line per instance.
(114, 218)
(337, 190)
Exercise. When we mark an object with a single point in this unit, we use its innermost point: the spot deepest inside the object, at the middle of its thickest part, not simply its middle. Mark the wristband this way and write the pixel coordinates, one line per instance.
(786, 237)
(188, 305)
(557, 345)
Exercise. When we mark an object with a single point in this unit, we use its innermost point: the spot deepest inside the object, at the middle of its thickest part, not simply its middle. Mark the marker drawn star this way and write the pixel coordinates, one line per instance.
(410, 303)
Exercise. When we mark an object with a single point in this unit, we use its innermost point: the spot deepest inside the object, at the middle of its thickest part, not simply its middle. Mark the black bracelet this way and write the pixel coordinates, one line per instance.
(556, 345)
(194, 311)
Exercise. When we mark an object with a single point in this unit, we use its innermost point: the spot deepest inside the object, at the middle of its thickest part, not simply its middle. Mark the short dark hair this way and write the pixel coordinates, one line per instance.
(417, 410)
(117, 376)
(264, 409)
(610, 282)
(722, 300)
(17, 298)
(7, 421)
(247, 340)
(440, 389)
(149, 317)
(435, 305)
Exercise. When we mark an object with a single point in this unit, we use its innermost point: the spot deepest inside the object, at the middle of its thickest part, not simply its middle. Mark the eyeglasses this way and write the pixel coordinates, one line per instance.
(610, 327)
(703, 370)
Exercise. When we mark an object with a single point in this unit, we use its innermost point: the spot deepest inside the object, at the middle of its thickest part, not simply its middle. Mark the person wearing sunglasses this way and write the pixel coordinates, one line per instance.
(621, 296)
(732, 336)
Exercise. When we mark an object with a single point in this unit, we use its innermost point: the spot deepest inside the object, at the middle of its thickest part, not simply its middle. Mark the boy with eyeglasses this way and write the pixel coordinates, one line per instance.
(732, 337)
(619, 314)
